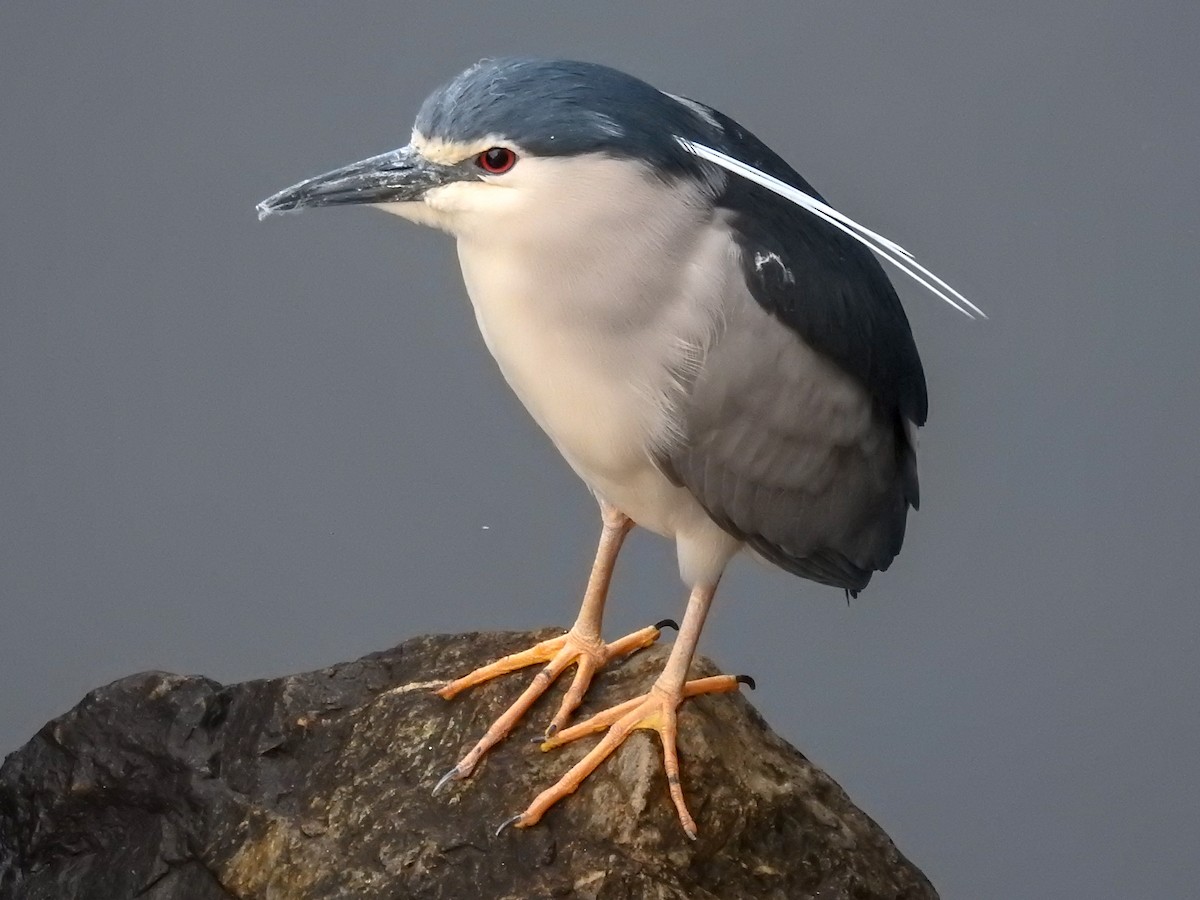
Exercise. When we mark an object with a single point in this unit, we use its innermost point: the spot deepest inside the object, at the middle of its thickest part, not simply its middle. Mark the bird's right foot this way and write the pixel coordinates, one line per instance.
(589, 656)
(657, 711)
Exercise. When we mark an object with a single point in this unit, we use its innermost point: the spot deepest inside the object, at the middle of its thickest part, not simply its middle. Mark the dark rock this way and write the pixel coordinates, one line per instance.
(172, 787)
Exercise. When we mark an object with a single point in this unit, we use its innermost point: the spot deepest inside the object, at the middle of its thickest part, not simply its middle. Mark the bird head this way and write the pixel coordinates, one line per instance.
(563, 160)
(519, 147)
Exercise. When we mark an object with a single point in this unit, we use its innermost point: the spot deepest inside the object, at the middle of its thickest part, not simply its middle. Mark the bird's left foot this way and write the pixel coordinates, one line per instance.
(657, 711)
(587, 654)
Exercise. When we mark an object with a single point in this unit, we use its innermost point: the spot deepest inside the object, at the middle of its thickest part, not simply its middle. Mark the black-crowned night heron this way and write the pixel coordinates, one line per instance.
(714, 350)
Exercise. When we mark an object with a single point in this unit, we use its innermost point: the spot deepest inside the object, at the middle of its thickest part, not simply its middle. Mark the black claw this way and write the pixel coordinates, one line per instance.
(667, 623)
(746, 680)
(445, 779)
(507, 822)
(551, 731)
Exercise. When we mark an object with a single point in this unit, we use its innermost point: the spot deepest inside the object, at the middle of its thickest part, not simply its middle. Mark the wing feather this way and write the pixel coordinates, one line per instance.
(792, 454)
(795, 430)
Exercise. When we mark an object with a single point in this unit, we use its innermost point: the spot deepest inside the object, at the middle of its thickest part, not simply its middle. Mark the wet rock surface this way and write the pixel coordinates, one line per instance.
(317, 785)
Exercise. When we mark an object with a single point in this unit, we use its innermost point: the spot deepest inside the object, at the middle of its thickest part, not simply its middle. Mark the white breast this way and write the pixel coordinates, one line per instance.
(594, 323)
(599, 393)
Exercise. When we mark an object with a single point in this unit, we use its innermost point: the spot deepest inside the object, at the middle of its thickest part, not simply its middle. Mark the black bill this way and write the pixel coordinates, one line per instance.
(395, 177)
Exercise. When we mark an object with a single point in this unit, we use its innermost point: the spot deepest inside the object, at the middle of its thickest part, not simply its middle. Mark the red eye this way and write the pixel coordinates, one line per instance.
(496, 161)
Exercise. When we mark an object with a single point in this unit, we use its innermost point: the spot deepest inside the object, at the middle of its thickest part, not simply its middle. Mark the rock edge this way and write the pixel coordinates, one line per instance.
(317, 785)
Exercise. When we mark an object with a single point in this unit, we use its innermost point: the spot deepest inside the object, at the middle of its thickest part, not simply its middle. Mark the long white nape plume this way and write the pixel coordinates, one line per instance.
(876, 243)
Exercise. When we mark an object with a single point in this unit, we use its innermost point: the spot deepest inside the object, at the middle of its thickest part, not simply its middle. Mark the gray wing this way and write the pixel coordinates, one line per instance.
(789, 453)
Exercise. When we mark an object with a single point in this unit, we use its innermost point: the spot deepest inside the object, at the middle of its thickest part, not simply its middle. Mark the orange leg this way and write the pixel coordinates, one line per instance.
(657, 710)
(582, 645)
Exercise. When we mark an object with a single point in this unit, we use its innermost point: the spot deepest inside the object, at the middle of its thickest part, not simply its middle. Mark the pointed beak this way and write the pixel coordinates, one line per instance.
(396, 177)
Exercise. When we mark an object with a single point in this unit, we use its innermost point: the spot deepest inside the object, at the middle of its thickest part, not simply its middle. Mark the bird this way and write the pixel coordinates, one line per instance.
(715, 351)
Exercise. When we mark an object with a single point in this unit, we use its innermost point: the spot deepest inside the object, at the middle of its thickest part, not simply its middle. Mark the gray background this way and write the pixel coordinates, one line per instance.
(245, 449)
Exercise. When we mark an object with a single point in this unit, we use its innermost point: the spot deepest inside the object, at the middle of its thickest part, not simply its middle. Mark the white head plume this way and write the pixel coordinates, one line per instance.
(876, 243)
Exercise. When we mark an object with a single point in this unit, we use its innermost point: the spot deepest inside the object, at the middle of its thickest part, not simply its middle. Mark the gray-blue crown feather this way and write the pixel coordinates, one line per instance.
(554, 107)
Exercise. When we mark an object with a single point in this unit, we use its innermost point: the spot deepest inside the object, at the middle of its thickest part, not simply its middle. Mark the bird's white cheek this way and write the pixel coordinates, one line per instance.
(464, 206)
(419, 212)
(458, 208)
(453, 199)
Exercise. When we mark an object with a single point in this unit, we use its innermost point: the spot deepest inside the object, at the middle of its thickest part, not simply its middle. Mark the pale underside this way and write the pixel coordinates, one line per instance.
(627, 331)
